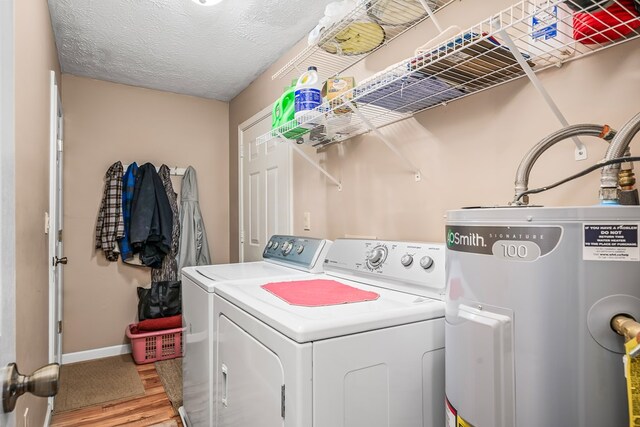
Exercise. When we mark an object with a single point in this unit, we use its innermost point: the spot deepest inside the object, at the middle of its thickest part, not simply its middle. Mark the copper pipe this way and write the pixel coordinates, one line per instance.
(626, 326)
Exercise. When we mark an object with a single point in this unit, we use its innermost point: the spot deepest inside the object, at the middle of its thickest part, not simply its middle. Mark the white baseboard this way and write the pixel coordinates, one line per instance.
(97, 353)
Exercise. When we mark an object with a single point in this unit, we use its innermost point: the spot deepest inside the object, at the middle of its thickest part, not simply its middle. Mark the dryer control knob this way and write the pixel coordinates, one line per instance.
(286, 248)
(406, 260)
(376, 256)
(426, 262)
(300, 249)
(269, 244)
(275, 245)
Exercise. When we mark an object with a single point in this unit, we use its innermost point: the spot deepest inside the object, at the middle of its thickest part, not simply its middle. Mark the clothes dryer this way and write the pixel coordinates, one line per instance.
(374, 363)
(284, 257)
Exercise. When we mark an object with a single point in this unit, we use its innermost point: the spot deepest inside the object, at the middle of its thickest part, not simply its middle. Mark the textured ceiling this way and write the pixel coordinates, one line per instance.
(177, 45)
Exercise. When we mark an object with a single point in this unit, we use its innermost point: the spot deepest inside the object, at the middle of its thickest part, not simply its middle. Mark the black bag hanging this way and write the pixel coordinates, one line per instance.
(163, 299)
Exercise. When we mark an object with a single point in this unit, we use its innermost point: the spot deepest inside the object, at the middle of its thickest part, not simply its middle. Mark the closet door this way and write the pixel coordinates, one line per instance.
(265, 185)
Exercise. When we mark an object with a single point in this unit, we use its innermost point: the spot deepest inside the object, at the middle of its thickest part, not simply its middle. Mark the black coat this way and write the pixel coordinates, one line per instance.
(151, 217)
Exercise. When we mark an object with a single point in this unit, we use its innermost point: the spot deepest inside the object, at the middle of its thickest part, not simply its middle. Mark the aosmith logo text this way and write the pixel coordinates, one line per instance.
(458, 239)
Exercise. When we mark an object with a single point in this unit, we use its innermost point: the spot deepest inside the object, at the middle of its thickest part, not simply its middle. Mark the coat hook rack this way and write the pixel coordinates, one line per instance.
(175, 170)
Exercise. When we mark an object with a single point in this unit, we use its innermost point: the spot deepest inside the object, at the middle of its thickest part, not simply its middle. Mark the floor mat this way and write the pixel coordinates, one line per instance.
(97, 381)
(170, 373)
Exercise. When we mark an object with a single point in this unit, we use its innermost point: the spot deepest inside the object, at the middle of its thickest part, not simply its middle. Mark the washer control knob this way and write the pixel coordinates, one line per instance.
(406, 260)
(286, 248)
(426, 262)
(376, 256)
(299, 249)
(275, 245)
(269, 244)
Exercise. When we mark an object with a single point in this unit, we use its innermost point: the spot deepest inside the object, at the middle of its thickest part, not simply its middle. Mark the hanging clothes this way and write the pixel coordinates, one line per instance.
(110, 224)
(151, 218)
(193, 249)
(128, 186)
(168, 271)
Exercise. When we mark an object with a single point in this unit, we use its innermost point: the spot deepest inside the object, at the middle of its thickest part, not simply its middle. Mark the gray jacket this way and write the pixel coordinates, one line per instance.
(193, 248)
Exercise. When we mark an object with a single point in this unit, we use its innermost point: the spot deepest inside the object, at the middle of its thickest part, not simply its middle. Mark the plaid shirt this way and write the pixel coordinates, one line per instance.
(110, 225)
(128, 184)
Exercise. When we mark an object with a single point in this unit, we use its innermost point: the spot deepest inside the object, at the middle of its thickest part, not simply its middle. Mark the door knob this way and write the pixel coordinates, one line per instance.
(42, 383)
(62, 260)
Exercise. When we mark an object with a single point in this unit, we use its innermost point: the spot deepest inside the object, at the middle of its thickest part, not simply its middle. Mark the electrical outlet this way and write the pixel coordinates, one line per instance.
(307, 221)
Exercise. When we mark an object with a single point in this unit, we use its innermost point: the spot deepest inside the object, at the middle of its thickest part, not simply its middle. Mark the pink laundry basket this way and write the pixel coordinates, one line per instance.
(150, 347)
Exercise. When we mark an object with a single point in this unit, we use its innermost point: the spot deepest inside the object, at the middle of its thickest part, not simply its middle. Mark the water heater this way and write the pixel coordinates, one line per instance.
(531, 295)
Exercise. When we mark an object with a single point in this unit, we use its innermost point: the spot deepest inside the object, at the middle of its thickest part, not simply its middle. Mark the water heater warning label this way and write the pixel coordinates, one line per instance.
(611, 242)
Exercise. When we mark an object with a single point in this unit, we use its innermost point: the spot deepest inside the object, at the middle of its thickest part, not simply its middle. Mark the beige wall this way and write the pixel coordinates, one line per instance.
(468, 151)
(35, 57)
(107, 122)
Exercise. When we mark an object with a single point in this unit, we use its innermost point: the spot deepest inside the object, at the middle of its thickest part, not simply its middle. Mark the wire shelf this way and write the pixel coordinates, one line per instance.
(544, 33)
(369, 26)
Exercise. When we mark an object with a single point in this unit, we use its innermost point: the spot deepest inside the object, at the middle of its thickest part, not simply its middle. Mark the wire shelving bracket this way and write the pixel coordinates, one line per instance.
(431, 14)
(581, 149)
(416, 172)
(311, 161)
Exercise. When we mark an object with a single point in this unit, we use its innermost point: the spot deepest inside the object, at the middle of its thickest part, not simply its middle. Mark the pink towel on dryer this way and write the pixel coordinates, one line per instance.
(319, 292)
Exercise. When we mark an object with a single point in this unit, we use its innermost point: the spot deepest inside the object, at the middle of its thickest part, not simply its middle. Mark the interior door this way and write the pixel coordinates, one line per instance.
(56, 257)
(265, 183)
(7, 196)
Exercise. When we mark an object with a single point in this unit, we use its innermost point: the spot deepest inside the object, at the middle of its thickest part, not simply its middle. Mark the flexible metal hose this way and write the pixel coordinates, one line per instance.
(583, 172)
(524, 170)
(619, 146)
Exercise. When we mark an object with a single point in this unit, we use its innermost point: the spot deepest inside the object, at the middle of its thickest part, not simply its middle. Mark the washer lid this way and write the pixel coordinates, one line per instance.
(209, 276)
(305, 324)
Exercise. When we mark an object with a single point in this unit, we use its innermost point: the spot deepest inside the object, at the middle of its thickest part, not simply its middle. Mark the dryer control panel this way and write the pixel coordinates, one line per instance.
(302, 253)
(404, 266)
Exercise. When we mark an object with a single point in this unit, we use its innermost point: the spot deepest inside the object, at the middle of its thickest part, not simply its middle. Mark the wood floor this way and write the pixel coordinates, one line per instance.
(152, 409)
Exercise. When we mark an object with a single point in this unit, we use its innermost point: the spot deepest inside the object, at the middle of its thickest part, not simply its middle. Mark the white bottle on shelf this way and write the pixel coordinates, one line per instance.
(308, 98)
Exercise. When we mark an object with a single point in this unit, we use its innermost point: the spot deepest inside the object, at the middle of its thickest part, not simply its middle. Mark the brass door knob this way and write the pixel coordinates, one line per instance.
(42, 383)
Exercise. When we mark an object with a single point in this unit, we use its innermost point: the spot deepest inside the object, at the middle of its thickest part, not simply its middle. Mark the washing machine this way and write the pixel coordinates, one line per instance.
(283, 257)
(367, 352)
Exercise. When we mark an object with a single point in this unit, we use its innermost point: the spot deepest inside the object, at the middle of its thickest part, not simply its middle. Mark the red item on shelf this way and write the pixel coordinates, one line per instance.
(320, 292)
(603, 26)
(160, 324)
